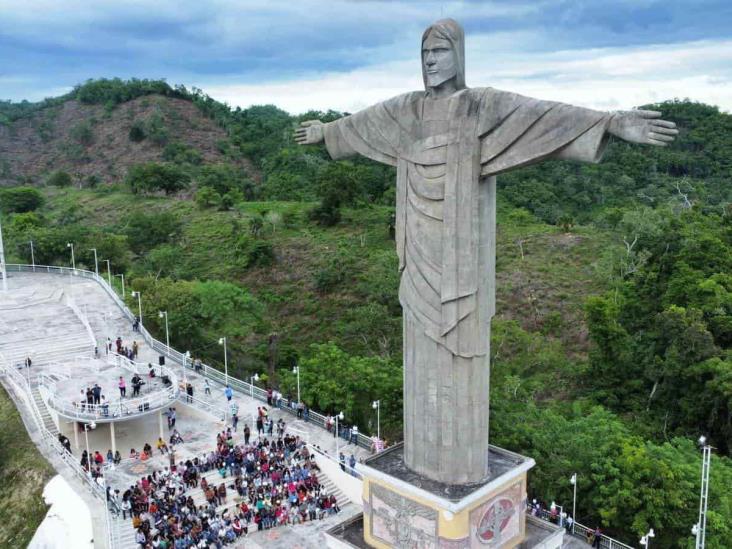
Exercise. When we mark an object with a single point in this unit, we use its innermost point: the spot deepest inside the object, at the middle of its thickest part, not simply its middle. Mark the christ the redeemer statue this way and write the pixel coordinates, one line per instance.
(448, 143)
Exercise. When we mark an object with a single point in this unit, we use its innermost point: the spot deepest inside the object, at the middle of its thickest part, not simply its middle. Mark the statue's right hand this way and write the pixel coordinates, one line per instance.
(310, 132)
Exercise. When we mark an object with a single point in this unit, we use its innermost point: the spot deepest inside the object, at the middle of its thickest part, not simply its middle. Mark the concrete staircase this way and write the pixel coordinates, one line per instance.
(330, 487)
(123, 532)
(48, 422)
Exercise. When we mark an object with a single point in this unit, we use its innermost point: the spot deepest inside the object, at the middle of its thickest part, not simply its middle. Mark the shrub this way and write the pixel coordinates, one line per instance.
(20, 199)
(328, 212)
(137, 131)
(180, 153)
(83, 133)
(146, 231)
(206, 197)
(261, 254)
(59, 179)
(153, 177)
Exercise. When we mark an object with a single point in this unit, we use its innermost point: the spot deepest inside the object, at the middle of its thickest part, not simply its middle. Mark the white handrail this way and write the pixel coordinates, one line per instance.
(316, 418)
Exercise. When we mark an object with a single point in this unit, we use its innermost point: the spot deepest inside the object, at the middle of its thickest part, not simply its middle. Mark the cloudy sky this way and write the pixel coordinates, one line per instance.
(302, 54)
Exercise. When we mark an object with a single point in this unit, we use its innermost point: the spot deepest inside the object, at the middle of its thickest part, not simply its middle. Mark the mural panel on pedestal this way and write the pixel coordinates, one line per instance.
(498, 520)
(401, 522)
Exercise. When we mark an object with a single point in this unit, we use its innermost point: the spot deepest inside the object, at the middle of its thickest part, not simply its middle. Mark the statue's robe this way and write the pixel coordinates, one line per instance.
(447, 153)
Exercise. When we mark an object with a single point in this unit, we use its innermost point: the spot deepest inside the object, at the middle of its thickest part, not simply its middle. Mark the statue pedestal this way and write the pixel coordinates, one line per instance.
(403, 509)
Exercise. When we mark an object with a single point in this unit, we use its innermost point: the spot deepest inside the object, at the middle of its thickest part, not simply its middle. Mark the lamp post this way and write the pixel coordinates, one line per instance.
(96, 261)
(33, 256)
(338, 416)
(123, 283)
(700, 528)
(88, 426)
(109, 273)
(222, 341)
(3, 270)
(296, 370)
(573, 482)
(645, 541)
(162, 314)
(139, 305)
(252, 379)
(186, 358)
(376, 405)
(73, 261)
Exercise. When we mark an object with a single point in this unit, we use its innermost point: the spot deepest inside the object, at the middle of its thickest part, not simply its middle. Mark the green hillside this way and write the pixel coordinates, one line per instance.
(611, 343)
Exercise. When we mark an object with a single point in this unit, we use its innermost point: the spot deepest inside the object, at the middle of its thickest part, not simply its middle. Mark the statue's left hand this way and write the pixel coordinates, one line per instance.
(645, 127)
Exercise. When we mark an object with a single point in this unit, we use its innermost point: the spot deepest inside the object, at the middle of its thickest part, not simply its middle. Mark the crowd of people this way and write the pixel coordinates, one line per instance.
(259, 484)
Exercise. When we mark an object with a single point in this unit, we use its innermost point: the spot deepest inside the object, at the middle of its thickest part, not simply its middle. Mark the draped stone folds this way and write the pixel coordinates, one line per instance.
(447, 152)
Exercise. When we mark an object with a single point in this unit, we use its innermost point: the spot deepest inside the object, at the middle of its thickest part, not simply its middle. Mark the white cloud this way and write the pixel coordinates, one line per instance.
(609, 78)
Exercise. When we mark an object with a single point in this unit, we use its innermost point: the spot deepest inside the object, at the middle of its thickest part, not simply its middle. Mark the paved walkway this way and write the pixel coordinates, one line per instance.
(197, 428)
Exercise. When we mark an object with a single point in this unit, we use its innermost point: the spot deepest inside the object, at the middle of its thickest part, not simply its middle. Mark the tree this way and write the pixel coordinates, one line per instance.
(59, 179)
(20, 199)
(137, 131)
(153, 177)
(148, 230)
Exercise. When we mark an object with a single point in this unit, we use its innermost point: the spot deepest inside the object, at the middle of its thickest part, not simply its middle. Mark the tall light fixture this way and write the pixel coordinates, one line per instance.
(222, 341)
(700, 528)
(376, 405)
(3, 271)
(96, 261)
(339, 416)
(162, 314)
(122, 277)
(573, 482)
(73, 261)
(296, 370)
(138, 295)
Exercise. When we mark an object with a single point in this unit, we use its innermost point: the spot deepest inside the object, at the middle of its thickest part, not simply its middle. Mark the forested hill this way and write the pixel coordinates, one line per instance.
(611, 348)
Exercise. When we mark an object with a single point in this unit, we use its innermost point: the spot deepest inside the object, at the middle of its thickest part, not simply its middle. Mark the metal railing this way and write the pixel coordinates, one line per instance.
(581, 531)
(211, 373)
(23, 387)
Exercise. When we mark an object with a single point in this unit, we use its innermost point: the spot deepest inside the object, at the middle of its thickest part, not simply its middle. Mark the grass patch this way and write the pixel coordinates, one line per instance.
(23, 474)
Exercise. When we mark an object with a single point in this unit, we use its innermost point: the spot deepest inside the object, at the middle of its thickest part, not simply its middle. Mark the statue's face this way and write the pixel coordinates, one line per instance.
(438, 59)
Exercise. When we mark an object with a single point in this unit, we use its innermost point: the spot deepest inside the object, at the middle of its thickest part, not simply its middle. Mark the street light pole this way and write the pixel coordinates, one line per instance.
(109, 273)
(338, 434)
(377, 405)
(139, 305)
(96, 261)
(123, 283)
(162, 314)
(573, 481)
(645, 541)
(252, 379)
(222, 341)
(33, 257)
(73, 261)
(296, 370)
(700, 528)
(186, 358)
(3, 270)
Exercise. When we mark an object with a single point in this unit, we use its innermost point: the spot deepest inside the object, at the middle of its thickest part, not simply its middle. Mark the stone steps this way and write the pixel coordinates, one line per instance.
(48, 422)
(331, 487)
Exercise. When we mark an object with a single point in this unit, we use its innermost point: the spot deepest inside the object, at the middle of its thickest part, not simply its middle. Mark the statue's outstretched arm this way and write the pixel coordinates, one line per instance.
(644, 127)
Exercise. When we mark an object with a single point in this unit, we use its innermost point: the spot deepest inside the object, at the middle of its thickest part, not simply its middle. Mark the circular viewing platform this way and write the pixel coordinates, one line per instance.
(67, 394)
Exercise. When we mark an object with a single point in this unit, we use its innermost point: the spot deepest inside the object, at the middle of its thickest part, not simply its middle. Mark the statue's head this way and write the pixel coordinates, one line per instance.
(443, 54)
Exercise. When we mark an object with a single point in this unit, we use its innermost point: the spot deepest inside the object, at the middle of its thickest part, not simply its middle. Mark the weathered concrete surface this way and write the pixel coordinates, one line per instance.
(448, 142)
(197, 428)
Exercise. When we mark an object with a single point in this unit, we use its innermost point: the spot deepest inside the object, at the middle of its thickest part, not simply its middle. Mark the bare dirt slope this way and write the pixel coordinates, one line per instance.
(86, 140)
